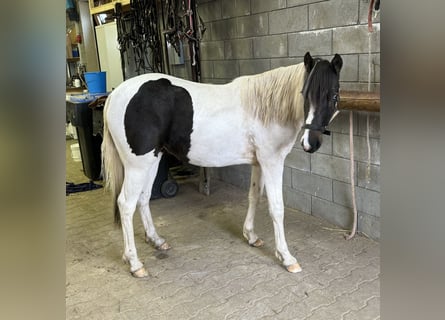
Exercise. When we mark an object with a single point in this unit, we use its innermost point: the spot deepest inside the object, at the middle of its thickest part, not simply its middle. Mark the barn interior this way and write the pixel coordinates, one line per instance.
(211, 272)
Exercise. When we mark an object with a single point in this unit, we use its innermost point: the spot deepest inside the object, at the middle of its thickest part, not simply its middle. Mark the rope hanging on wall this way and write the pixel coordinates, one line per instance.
(373, 6)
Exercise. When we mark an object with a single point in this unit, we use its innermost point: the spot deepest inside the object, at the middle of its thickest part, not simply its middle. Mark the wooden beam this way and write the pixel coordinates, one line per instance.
(360, 101)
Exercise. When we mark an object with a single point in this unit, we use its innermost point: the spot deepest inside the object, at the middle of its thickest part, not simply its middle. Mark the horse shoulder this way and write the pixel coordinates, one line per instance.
(273, 140)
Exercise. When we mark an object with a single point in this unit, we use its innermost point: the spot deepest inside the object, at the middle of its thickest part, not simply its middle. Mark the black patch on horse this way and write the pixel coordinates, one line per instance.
(159, 117)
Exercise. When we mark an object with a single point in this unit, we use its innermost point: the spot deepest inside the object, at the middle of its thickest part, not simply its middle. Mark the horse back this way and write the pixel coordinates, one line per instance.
(203, 124)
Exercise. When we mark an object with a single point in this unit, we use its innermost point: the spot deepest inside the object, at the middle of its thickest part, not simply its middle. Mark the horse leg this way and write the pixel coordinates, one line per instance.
(151, 236)
(273, 179)
(256, 184)
(131, 189)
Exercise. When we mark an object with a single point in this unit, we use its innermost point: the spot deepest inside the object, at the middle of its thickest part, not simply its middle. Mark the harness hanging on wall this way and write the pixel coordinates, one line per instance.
(138, 37)
(182, 22)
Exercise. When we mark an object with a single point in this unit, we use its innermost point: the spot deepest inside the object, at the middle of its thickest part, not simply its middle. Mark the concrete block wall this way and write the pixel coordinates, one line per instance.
(251, 36)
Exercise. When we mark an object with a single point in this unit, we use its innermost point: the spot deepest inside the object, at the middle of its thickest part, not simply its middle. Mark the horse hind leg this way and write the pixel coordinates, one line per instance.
(151, 236)
(256, 186)
(132, 187)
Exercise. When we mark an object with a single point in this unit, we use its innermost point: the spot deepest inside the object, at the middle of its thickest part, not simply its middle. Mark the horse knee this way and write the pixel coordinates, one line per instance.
(126, 207)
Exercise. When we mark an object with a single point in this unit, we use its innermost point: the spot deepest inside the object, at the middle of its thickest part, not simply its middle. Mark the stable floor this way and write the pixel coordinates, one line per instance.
(211, 272)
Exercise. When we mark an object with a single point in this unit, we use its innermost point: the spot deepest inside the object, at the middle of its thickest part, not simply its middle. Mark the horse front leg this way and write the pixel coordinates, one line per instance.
(256, 185)
(273, 179)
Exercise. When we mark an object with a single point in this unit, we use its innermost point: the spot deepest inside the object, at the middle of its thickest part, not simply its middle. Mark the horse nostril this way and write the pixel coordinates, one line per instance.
(308, 149)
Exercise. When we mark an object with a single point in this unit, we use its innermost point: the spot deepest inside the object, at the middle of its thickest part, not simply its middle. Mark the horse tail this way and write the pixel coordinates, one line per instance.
(112, 167)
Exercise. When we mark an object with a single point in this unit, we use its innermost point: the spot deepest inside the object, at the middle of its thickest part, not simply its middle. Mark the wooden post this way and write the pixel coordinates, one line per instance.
(360, 101)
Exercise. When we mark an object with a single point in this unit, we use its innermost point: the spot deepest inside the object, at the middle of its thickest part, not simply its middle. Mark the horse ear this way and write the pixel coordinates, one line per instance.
(308, 62)
(337, 63)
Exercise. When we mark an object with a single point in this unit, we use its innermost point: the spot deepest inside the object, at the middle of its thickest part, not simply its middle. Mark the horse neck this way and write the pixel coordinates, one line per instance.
(275, 96)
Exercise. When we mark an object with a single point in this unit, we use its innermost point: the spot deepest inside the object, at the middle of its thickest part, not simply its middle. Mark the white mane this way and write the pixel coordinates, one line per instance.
(275, 95)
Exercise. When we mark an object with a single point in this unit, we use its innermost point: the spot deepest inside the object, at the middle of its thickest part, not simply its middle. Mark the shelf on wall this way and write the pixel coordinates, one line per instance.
(105, 7)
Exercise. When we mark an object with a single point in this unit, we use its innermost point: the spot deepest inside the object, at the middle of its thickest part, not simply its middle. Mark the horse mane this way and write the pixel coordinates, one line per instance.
(275, 95)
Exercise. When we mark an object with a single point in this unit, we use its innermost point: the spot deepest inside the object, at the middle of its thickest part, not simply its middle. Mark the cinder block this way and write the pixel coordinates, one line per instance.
(210, 11)
(298, 159)
(358, 86)
(369, 225)
(288, 20)
(364, 67)
(207, 69)
(369, 180)
(350, 70)
(313, 184)
(374, 124)
(292, 3)
(354, 39)
(333, 13)
(334, 213)
(326, 145)
(331, 167)
(252, 26)
(267, 5)
(341, 148)
(297, 200)
(223, 29)
(248, 67)
(238, 49)
(212, 50)
(340, 123)
(226, 69)
(287, 177)
(179, 71)
(316, 42)
(237, 175)
(367, 201)
(235, 8)
(270, 46)
(284, 62)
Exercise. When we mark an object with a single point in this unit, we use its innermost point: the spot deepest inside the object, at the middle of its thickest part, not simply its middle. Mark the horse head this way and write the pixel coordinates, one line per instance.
(321, 97)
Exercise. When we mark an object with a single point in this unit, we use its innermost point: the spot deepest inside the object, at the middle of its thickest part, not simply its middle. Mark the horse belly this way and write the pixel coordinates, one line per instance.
(220, 143)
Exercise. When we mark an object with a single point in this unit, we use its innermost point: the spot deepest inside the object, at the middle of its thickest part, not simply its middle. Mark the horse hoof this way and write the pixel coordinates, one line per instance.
(294, 268)
(164, 247)
(258, 243)
(140, 273)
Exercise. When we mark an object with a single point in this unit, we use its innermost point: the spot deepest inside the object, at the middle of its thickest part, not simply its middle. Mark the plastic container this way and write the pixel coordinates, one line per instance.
(96, 81)
(80, 115)
(75, 152)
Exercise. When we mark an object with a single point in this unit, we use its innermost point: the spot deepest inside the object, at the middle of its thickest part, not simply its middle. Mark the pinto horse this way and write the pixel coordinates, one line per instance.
(251, 120)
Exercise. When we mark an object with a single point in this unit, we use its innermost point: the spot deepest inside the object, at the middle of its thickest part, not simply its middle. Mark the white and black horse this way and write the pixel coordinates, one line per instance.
(251, 120)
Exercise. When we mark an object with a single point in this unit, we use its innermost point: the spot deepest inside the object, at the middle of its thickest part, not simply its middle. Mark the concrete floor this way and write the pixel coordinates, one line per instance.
(211, 272)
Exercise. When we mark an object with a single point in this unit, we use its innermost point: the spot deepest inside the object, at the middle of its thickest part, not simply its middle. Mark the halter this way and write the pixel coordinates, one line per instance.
(305, 92)
(322, 129)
